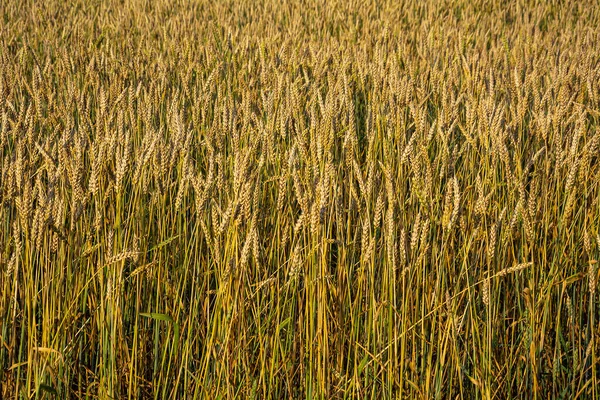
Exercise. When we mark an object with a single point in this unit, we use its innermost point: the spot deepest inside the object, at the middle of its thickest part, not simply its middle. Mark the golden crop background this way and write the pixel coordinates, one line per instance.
(302, 199)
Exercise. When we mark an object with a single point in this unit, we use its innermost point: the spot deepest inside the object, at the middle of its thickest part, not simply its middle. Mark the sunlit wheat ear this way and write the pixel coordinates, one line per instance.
(125, 255)
(183, 186)
(447, 206)
(516, 268)
(481, 204)
(281, 192)
(17, 241)
(391, 247)
(456, 203)
(364, 240)
(485, 297)
(587, 244)
(402, 244)
(491, 246)
(592, 278)
(414, 241)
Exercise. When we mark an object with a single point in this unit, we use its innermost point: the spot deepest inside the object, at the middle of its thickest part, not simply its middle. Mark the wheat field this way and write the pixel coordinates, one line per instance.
(303, 199)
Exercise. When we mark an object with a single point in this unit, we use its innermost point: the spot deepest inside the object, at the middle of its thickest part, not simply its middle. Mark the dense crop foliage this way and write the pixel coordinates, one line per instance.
(301, 199)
